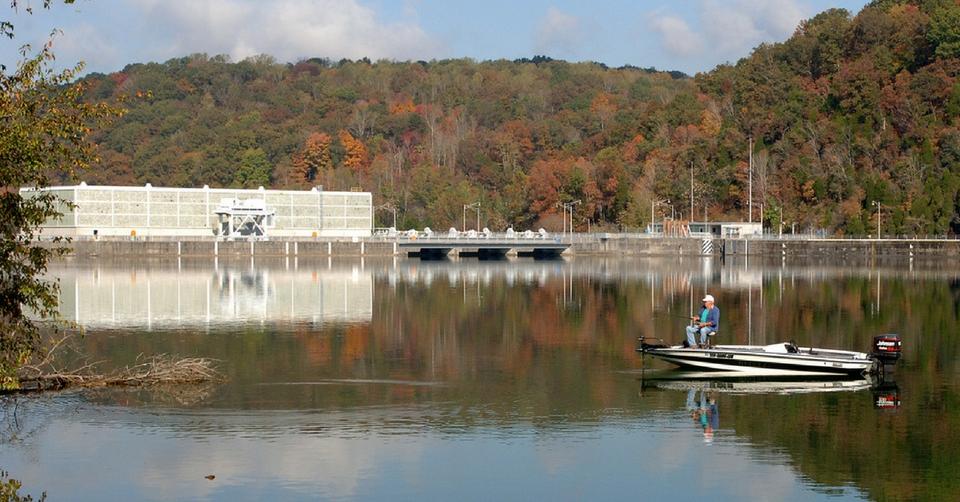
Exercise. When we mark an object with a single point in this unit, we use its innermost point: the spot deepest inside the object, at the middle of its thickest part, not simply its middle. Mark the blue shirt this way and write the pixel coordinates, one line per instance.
(713, 316)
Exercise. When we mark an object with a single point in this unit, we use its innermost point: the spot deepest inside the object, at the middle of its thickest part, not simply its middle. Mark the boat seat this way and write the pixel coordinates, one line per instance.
(710, 336)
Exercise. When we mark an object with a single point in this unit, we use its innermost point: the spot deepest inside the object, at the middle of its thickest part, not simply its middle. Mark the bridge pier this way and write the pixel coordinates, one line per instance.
(484, 249)
(484, 253)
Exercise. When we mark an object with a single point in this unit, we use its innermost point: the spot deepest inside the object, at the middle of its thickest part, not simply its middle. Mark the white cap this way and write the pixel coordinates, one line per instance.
(708, 298)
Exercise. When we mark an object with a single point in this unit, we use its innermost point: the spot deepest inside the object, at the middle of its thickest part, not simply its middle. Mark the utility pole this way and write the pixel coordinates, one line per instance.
(653, 204)
(877, 203)
(691, 190)
(569, 206)
(393, 209)
(563, 218)
(750, 204)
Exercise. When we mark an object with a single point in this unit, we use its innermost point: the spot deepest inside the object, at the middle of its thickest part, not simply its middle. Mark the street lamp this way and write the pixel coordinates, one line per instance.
(653, 204)
(393, 209)
(750, 196)
(568, 206)
(476, 206)
(781, 221)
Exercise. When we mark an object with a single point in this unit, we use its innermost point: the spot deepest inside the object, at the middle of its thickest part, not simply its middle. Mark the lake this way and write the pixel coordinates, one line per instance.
(395, 379)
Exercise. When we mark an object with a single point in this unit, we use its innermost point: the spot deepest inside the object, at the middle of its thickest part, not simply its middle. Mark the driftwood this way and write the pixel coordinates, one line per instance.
(157, 370)
(163, 369)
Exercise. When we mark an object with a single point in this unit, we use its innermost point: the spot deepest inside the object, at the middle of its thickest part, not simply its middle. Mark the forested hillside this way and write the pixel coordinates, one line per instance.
(850, 111)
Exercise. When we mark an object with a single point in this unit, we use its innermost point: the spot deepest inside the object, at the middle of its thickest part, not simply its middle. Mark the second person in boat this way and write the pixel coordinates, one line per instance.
(707, 322)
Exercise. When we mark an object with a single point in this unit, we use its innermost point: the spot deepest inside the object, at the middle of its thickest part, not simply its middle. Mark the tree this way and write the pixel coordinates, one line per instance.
(254, 170)
(313, 159)
(944, 31)
(45, 125)
(604, 108)
(356, 159)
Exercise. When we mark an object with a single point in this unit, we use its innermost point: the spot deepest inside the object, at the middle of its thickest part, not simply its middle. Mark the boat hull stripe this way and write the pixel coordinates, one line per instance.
(745, 364)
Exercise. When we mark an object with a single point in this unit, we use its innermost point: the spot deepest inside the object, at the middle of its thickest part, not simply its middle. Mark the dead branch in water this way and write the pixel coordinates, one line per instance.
(45, 371)
(157, 370)
(161, 369)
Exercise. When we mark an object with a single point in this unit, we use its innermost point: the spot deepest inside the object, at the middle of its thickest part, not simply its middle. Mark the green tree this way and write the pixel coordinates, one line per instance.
(45, 125)
(944, 31)
(254, 170)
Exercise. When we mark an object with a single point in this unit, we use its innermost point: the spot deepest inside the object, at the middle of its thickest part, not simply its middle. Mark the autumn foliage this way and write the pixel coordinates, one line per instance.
(849, 112)
(356, 153)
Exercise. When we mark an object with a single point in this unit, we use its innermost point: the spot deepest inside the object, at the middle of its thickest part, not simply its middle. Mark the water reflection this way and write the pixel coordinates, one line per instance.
(708, 382)
(504, 379)
(706, 413)
(115, 295)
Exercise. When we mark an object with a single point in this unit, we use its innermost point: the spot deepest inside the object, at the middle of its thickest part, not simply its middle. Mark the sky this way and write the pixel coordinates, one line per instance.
(686, 35)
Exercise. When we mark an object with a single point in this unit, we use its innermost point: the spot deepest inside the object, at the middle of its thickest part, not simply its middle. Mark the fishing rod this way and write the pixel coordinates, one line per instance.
(675, 316)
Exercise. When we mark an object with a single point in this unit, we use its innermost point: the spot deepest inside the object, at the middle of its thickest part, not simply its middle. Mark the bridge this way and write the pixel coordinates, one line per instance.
(481, 246)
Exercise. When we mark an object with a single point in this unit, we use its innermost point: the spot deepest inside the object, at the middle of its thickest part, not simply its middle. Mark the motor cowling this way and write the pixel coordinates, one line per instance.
(886, 396)
(887, 348)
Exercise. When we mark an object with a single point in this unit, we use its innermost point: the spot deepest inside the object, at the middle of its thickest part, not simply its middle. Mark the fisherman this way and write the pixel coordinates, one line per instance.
(707, 322)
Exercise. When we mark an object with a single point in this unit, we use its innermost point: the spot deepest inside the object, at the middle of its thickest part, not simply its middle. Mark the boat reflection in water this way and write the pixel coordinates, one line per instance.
(714, 382)
(703, 389)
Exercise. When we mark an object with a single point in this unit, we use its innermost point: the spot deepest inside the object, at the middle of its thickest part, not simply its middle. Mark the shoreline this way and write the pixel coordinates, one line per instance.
(580, 245)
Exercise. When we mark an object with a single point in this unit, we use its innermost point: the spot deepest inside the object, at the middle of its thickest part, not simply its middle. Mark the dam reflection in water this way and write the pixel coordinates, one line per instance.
(117, 295)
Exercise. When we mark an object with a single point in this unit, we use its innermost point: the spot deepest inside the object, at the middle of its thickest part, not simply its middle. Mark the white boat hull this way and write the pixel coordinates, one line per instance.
(748, 360)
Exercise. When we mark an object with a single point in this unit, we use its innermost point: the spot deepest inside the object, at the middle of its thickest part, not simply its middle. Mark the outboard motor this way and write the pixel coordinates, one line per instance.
(886, 348)
(886, 395)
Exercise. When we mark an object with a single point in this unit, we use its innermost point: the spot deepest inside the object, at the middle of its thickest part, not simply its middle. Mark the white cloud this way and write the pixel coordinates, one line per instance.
(84, 42)
(676, 36)
(286, 29)
(559, 32)
(742, 25)
(779, 17)
(729, 29)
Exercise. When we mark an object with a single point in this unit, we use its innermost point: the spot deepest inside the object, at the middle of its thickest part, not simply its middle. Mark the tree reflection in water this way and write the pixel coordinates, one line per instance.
(526, 349)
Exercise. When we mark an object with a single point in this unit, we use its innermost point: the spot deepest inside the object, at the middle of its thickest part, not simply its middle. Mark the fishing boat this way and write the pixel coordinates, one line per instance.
(778, 359)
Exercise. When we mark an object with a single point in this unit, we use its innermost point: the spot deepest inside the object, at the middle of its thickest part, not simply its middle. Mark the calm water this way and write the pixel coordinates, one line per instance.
(397, 379)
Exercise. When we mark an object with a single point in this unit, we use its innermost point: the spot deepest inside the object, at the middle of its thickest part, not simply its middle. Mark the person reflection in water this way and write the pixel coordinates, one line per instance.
(706, 414)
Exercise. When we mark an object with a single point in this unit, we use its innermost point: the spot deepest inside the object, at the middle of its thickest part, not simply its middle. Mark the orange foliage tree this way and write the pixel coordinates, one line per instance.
(356, 159)
(604, 107)
(314, 158)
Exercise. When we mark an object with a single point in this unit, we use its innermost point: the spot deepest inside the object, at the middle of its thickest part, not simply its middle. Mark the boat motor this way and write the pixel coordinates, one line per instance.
(886, 395)
(886, 348)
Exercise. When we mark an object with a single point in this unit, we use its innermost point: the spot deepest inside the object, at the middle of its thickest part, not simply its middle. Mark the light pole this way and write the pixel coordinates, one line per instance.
(691, 192)
(877, 203)
(653, 204)
(564, 217)
(750, 203)
(568, 206)
(393, 209)
(476, 206)
(781, 221)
